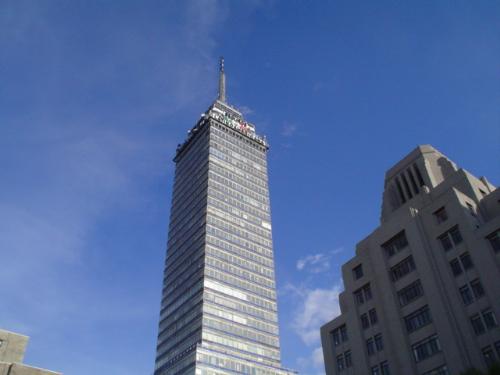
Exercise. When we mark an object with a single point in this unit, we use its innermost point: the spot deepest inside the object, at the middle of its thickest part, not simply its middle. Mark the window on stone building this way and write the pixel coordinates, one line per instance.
(456, 269)
(373, 316)
(363, 294)
(488, 355)
(489, 318)
(358, 272)
(395, 244)
(379, 343)
(441, 370)
(466, 261)
(494, 239)
(477, 288)
(410, 293)
(370, 346)
(384, 368)
(441, 215)
(340, 362)
(365, 322)
(339, 335)
(426, 348)
(402, 269)
(466, 294)
(348, 359)
(477, 324)
(418, 319)
(450, 238)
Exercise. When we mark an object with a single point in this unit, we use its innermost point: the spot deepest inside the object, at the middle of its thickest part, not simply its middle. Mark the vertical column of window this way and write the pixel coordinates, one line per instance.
(407, 187)
(400, 190)
(412, 181)
(419, 175)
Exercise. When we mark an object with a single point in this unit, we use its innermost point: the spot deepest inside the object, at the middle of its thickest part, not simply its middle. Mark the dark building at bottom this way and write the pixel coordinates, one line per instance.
(422, 293)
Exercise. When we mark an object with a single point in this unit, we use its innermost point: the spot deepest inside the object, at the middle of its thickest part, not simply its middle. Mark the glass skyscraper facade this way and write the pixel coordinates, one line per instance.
(219, 311)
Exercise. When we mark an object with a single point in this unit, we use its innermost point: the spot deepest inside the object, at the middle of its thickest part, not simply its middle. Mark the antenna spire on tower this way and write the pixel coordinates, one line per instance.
(222, 81)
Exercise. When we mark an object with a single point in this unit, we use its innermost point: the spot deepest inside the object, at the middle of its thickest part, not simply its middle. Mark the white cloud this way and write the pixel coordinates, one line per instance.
(288, 130)
(317, 263)
(315, 308)
(317, 357)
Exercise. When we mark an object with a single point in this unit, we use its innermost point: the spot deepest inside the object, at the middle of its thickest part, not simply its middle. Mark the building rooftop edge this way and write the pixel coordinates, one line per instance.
(417, 151)
(13, 333)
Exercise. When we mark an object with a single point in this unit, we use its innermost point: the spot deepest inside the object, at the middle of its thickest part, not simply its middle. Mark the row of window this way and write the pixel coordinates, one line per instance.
(244, 333)
(229, 135)
(219, 138)
(239, 251)
(238, 204)
(233, 364)
(238, 317)
(239, 272)
(238, 231)
(240, 261)
(239, 345)
(240, 306)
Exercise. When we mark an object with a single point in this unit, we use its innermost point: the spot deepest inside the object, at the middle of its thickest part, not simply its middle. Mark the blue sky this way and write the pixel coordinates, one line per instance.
(95, 96)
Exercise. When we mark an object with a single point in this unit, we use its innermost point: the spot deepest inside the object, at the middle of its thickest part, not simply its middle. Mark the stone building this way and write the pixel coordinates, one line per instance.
(422, 293)
(12, 349)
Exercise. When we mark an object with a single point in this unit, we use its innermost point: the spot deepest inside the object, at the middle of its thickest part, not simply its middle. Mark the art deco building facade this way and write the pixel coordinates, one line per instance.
(219, 312)
(422, 294)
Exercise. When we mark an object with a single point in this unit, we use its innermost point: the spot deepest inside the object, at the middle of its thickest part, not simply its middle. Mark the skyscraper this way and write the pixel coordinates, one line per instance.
(218, 311)
(422, 294)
